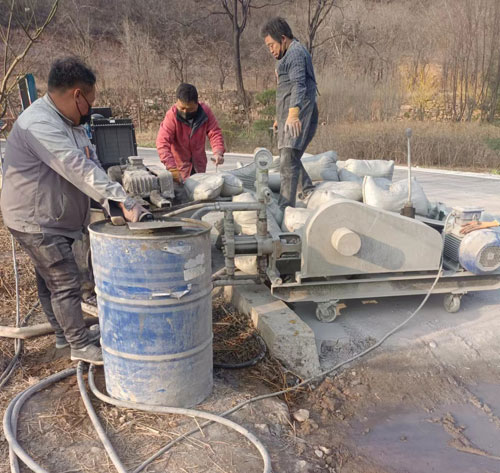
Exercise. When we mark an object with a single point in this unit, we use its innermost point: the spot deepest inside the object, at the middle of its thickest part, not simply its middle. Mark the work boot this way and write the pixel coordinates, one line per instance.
(93, 335)
(89, 353)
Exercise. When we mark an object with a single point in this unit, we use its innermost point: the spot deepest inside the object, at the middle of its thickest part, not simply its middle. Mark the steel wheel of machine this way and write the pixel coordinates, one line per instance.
(327, 311)
(452, 302)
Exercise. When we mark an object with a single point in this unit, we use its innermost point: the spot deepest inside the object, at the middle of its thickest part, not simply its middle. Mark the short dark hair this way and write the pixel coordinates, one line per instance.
(276, 28)
(68, 72)
(187, 93)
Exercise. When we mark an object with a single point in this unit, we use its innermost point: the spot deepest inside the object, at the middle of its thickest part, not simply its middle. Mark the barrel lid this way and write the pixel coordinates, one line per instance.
(168, 228)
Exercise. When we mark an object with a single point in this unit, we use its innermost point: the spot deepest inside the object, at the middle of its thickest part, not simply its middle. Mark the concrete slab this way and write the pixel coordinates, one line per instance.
(362, 323)
(288, 338)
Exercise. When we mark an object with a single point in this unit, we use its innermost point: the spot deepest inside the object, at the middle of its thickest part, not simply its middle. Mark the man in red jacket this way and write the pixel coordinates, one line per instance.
(181, 138)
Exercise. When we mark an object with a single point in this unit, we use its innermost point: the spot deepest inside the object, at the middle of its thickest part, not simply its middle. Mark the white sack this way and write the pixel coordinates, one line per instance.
(348, 176)
(232, 185)
(321, 167)
(384, 194)
(370, 167)
(204, 186)
(294, 219)
(329, 191)
(246, 264)
(248, 219)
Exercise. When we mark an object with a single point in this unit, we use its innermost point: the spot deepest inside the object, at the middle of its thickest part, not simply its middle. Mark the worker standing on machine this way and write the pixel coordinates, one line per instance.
(182, 134)
(296, 108)
(49, 173)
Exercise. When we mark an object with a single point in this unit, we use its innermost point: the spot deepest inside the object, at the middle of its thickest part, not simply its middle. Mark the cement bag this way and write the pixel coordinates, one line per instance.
(204, 186)
(248, 219)
(347, 190)
(322, 167)
(329, 191)
(247, 264)
(348, 176)
(232, 185)
(370, 167)
(246, 174)
(294, 219)
(384, 194)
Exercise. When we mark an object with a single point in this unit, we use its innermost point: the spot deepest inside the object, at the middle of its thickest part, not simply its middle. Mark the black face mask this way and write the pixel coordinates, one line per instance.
(282, 52)
(84, 119)
(188, 115)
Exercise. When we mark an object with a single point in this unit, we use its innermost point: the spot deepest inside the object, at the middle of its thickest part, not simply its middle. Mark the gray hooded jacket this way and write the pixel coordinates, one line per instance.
(50, 170)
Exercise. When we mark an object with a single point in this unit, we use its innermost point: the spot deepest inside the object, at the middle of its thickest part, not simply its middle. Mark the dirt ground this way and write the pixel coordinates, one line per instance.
(429, 407)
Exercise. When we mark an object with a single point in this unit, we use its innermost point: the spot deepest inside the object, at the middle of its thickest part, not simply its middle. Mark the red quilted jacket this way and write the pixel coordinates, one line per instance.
(182, 146)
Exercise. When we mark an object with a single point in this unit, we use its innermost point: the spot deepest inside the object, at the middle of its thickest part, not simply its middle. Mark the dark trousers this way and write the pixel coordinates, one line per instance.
(293, 174)
(58, 283)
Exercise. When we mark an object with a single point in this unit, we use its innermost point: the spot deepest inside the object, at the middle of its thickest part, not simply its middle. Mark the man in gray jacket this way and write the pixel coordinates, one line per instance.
(50, 171)
(296, 109)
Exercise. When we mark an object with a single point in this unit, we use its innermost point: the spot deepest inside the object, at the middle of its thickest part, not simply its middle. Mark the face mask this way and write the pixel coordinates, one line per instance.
(282, 51)
(187, 115)
(84, 119)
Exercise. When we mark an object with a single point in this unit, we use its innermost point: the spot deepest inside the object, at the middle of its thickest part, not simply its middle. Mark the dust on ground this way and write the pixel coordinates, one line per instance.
(407, 410)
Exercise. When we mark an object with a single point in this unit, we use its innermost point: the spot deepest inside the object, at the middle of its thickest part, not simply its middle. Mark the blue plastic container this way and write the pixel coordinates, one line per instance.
(155, 309)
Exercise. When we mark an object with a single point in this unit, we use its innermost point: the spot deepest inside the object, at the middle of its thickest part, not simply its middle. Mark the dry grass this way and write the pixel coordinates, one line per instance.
(434, 144)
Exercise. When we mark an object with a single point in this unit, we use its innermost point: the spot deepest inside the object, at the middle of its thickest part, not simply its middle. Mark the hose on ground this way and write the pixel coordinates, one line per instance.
(11, 417)
(96, 422)
(186, 412)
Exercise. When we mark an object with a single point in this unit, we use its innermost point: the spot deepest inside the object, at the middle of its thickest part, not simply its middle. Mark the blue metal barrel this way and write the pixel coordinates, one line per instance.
(155, 311)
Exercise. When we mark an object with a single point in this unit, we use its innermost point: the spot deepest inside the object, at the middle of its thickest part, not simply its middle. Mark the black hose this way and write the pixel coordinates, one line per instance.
(96, 422)
(12, 414)
(245, 364)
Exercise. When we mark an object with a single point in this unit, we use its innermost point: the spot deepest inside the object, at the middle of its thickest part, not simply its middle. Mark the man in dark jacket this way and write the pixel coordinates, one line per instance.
(50, 171)
(296, 109)
(182, 134)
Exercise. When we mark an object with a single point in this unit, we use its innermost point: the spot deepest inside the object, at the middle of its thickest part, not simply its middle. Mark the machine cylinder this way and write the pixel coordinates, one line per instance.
(154, 301)
(345, 241)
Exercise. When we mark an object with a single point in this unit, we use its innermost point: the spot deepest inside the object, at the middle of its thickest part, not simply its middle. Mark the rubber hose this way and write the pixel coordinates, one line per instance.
(95, 421)
(186, 412)
(11, 416)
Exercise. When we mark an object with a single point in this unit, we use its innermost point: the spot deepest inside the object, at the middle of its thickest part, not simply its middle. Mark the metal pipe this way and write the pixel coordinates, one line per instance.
(235, 282)
(216, 207)
(408, 135)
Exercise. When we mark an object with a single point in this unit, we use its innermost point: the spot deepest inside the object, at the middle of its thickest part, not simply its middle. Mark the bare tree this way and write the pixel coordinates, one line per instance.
(238, 12)
(140, 60)
(317, 13)
(23, 27)
(79, 18)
